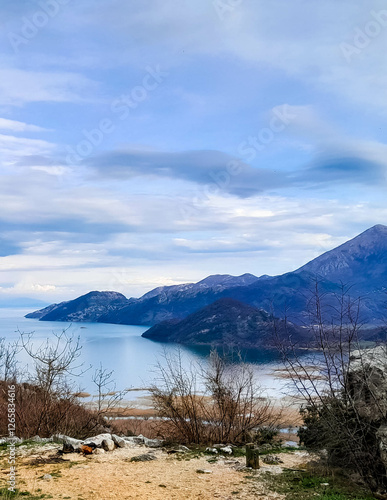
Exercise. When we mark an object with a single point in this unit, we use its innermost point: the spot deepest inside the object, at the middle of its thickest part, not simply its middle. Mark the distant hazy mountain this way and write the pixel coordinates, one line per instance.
(21, 302)
(224, 322)
(88, 307)
(361, 262)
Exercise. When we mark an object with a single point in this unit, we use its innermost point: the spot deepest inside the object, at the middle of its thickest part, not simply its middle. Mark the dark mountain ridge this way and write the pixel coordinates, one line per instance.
(225, 322)
(361, 262)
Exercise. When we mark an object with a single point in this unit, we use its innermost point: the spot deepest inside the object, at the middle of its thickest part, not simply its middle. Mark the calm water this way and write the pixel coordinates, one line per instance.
(122, 349)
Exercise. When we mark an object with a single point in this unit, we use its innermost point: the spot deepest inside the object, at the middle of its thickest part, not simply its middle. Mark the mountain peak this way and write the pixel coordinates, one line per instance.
(363, 258)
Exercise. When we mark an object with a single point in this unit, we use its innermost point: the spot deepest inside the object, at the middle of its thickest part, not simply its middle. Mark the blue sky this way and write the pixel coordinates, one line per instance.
(156, 142)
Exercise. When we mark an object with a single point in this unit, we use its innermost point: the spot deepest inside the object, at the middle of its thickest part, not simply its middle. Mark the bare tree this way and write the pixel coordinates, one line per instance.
(8, 360)
(108, 397)
(221, 402)
(338, 381)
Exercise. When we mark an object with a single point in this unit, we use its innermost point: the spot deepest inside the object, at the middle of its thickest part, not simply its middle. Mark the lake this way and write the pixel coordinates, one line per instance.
(121, 348)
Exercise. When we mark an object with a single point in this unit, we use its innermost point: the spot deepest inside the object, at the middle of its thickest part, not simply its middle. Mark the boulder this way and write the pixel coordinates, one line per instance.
(153, 443)
(108, 445)
(97, 440)
(119, 441)
(99, 451)
(226, 449)
(70, 445)
(135, 439)
(368, 383)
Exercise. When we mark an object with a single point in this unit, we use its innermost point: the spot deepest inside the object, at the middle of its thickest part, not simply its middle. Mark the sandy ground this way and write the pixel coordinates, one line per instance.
(113, 476)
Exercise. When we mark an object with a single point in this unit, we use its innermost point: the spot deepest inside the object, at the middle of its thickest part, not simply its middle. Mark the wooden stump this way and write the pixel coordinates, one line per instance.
(252, 456)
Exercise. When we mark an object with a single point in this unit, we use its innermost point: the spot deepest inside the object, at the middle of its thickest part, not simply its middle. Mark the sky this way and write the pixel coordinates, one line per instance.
(157, 142)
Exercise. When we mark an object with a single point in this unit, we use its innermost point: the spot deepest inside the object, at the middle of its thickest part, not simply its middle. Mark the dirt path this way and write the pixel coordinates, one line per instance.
(113, 476)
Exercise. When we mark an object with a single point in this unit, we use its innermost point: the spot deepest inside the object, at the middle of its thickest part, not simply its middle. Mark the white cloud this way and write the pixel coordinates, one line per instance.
(18, 87)
(15, 126)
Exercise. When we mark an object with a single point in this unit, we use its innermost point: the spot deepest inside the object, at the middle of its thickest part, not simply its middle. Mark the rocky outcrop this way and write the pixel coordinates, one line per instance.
(367, 381)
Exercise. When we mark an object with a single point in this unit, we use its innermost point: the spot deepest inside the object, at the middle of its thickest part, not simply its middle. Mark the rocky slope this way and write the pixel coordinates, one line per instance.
(88, 307)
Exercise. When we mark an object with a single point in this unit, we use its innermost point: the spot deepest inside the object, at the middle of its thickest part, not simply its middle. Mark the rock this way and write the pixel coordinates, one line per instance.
(97, 440)
(47, 477)
(226, 449)
(119, 441)
(143, 458)
(271, 460)
(218, 446)
(178, 449)
(153, 443)
(135, 439)
(108, 444)
(70, 445)
(211, 450)
(38, 439)
(366, 378)
(99, 451)
(203, 471)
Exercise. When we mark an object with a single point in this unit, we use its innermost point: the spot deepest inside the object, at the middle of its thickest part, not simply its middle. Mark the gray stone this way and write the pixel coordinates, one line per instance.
(47, 477)
(143, 458)
(69, 444)
(108, 444)
(97, 440)
(135, 439)
(211, 450)
(271, 460)
(203, 471)
(153, 443)
(119, 441)
(99, 451)
(226, 449)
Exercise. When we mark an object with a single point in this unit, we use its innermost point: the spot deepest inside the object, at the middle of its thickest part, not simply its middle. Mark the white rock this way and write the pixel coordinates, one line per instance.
(97, 440)
(153, 443)
(108, 444)
(119, 441)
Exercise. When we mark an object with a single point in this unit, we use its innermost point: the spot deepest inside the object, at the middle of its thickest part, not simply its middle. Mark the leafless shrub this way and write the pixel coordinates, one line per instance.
(221, 402)
(108, 398)
(45, 400)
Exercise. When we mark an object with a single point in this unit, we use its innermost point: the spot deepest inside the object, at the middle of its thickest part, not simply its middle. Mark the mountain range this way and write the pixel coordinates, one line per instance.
(360, 263)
